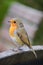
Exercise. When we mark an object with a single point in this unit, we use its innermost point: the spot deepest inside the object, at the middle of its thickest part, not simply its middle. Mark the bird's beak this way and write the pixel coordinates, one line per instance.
(8, 21)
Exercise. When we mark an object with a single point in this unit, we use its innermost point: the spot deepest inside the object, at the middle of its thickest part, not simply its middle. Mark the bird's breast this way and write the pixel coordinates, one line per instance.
(12, 31)
(16, 41)
(13, 38)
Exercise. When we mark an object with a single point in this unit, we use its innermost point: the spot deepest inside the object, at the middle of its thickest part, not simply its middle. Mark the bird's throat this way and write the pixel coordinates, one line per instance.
(11, 31)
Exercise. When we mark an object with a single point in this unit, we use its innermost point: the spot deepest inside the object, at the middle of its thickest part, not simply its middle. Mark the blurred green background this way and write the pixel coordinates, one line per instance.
(37, 4)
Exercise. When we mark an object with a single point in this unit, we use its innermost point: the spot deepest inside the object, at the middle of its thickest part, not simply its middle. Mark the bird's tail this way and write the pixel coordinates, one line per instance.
(30, 46)
(33, 51)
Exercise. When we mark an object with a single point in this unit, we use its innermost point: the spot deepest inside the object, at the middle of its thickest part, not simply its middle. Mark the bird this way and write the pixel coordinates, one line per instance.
(19, 35)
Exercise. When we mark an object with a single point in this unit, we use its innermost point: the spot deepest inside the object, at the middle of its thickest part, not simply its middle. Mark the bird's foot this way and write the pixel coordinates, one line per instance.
(15, 50)
(20, 49)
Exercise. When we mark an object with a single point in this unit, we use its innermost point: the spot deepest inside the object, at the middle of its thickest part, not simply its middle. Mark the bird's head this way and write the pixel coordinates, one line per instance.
(16, 23)
(13, 23)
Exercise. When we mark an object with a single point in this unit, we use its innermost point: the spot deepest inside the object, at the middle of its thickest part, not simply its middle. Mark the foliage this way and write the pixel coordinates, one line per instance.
(37, 4)
(38, 39)
(4, 4)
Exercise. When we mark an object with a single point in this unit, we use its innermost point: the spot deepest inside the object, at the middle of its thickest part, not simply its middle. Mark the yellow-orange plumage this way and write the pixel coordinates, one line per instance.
(13, 27)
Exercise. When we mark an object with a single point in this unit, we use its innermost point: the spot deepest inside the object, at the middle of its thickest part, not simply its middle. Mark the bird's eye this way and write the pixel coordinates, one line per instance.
(14, 21)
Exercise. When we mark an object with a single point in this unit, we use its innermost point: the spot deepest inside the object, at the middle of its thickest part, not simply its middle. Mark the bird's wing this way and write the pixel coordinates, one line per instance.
(23, 36)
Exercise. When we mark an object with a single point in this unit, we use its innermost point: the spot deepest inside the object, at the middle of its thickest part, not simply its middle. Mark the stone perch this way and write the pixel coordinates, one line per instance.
(10, 57)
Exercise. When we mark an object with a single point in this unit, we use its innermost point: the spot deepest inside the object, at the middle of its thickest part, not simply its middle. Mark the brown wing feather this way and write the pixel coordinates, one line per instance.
(23, 36)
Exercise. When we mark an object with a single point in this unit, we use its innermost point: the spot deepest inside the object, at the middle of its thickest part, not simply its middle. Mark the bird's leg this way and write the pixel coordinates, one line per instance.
(17, 49)
(13, 49)
(20, 49)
